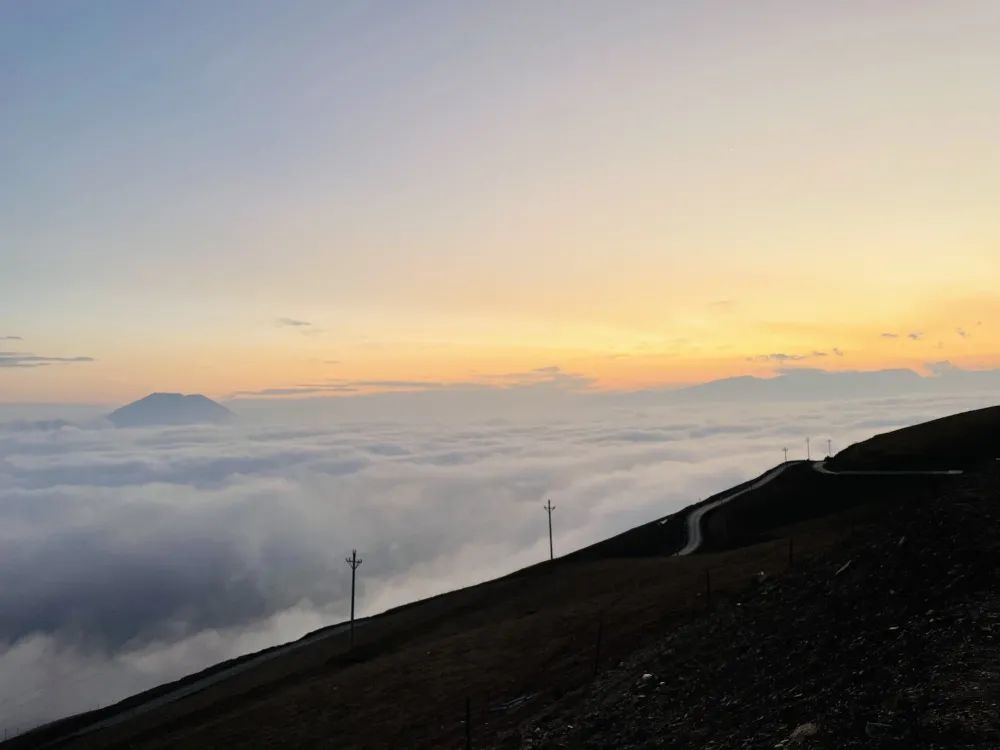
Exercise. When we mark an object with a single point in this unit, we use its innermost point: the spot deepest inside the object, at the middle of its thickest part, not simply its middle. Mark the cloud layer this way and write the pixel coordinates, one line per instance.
(27, 359)
(136, 556)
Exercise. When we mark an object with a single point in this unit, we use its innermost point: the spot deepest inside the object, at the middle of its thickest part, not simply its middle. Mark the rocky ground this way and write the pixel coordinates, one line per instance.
(888, 641)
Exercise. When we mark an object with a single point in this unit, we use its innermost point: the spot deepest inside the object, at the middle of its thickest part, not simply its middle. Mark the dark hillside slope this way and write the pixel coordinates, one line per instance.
(888, 640)
(961, 441)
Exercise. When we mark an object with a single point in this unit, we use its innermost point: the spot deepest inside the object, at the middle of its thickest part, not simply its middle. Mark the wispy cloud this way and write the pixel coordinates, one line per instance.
(549, 376)
(304, 327)
(11, 338)
(296, 390)
(838, 352)
(779, 357)
(542, 377)
(889, 335)
(27, 359)
(782, 357)
(428, 384)
(350, 386)
(962, 332)
(915, 335)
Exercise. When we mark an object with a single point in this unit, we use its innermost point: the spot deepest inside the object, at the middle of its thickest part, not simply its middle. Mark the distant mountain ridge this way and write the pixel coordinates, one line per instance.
(170, 409)
(794, 383)
(808, 383)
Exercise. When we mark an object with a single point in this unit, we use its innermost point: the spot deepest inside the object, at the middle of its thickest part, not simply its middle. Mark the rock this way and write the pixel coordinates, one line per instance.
(843, 568)
(802, 732)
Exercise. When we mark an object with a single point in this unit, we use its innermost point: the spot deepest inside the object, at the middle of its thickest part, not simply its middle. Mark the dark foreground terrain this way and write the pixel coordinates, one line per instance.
(888, 640)
(823, 611)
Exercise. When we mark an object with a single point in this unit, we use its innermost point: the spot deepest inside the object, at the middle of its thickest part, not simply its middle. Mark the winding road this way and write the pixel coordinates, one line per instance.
(694, 535)
(694, 518)
(820, 466)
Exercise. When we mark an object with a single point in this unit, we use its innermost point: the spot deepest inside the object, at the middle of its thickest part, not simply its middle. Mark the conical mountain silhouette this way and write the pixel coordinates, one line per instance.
(169, 409)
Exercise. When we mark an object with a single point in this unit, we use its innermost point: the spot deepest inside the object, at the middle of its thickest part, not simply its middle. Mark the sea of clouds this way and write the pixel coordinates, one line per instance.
(129, 557)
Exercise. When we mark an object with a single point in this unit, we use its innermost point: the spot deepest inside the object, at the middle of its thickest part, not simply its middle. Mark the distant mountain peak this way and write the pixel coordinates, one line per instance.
(170, 409)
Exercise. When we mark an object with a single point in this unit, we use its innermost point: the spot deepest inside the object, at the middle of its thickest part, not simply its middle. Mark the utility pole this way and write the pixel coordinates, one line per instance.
(829, 447)
(468, 723)
(808, 451)
(597, 648)
(549, 507)
(355, 563)
(786, 454)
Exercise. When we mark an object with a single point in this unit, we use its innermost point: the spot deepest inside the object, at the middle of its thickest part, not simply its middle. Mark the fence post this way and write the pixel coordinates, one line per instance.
(597, 647)
(468, 723)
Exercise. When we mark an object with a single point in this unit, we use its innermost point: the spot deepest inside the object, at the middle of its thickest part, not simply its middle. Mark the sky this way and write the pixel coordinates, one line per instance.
(131, 557)
(238, 197)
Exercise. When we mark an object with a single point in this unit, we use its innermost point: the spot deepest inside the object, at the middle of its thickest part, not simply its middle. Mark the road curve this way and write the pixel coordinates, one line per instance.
(694, 535)
(694, 518)
(820, 466)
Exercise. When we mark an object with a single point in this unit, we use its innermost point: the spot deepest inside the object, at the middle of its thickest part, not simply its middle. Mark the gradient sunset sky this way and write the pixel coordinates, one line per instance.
(231, 196)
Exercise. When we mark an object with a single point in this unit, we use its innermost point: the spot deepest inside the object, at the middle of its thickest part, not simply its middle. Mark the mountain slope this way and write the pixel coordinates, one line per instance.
(885, 641)
(169, 409)
(959, 441)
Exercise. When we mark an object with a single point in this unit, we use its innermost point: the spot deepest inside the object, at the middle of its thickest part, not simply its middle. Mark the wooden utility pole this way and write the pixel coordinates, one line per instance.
(786, 454)
(597, 647)
(355, 563)
(829, 447)
(549, 507)
(808, 451)
(468, 723)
